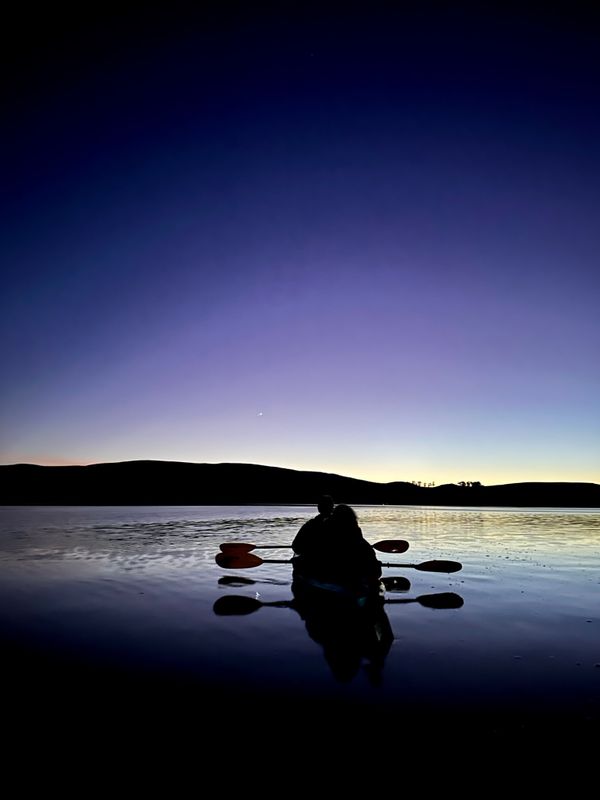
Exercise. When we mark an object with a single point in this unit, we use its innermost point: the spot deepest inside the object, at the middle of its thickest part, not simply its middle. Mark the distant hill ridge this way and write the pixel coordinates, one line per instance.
(184, 483)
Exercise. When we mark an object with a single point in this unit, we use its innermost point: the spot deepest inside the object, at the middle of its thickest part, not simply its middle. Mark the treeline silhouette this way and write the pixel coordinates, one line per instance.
(464, 484)
(181, 483)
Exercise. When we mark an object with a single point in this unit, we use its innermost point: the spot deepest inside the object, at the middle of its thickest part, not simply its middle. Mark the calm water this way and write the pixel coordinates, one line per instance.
(132, 590)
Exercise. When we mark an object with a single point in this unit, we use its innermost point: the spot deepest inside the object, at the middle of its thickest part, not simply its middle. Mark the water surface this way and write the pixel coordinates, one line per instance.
(130, 591)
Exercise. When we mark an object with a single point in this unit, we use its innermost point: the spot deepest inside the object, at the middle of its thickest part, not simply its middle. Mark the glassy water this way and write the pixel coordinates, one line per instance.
(130, 592)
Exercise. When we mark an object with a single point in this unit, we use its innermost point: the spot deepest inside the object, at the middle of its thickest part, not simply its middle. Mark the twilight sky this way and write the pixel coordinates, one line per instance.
(363, 241)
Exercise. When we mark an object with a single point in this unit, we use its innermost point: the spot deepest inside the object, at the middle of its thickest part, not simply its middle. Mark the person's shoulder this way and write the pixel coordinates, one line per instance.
(308, 526)
(310, 523)
(321, 519)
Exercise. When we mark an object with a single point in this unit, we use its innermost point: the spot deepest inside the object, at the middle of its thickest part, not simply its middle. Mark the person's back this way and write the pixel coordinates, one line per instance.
(350, 556)
(308, 539)
(338, 553)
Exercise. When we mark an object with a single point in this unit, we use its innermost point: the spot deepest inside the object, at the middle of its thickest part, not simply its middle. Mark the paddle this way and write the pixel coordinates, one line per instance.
(236, 604)
(392, 584)
(248, 560)
(238, 548)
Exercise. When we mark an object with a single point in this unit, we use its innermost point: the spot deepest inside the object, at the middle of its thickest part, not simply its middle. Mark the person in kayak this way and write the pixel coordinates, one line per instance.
(334, 550)
(350, 555)
(307, 540)
(337, 593)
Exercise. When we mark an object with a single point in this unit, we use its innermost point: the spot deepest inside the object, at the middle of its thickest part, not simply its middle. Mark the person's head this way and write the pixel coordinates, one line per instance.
(344, 515)
(325, 505)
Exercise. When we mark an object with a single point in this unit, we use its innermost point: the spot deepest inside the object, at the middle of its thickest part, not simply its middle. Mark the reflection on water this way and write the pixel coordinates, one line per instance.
(138, 586)
(354, 631)
(351, 634)
(351, 627)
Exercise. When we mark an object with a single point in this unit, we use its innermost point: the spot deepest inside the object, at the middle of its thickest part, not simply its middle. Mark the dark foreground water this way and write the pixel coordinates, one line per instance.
(107, 620)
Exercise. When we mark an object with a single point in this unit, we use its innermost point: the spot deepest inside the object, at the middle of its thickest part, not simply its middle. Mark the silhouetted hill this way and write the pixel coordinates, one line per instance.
(180, 483)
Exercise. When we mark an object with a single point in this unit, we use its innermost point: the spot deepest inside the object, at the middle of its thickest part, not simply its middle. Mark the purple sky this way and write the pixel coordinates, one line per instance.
(364, 243)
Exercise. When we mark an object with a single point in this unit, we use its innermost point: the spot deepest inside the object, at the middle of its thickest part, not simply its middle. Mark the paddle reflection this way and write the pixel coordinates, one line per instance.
(352, 627)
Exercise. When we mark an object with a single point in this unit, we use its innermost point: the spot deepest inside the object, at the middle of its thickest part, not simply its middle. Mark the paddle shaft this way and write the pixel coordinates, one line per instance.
(384, 546)
(248, 560)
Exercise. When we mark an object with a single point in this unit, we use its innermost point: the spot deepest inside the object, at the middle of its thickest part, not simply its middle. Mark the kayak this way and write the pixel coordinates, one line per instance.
(312, 585)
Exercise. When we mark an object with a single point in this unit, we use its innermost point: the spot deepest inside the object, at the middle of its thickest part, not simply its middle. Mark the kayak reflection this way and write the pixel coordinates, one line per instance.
(350, 624)
(352, 628)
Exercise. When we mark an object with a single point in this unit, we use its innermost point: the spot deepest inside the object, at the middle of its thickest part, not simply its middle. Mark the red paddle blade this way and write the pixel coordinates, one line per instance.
(236, 547)
(241, 561)
(391, 546)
